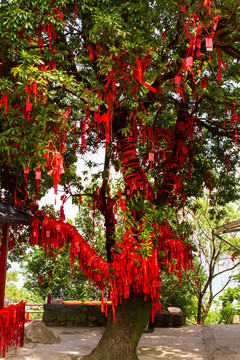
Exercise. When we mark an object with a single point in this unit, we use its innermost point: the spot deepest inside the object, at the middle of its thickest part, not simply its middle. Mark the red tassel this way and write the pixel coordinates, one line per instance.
(75, 9)
(113, 311)
(102, 302)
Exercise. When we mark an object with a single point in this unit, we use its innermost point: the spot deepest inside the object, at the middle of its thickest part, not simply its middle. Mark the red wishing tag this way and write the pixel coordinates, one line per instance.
(38, 175)
(198, 43)
(28, 106)
(151, 156)
(190, 61)
(177, 80)
(26, 170)
(209, 44)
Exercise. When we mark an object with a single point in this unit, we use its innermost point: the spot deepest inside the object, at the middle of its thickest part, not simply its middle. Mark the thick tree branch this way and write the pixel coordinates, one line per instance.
(106, 207)
(181, 135)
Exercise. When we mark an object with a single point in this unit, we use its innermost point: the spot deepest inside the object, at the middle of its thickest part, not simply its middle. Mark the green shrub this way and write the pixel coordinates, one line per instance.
(227, 313)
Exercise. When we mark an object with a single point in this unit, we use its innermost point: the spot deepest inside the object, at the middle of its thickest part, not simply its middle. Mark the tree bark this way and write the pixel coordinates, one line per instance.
(199, 310)
(121, 338)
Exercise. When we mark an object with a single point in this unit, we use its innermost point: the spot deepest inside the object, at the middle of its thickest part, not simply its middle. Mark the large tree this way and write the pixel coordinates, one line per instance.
(155, 83)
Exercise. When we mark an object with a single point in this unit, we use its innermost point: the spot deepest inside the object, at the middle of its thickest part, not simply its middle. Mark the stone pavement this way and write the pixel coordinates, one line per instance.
(209, 342)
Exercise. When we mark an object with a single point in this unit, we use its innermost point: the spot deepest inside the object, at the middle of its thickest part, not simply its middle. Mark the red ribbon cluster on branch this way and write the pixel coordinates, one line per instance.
(53, 235)
(130, 271)
(135, 178)
(195, 45)
(174, 248)
(12, 321)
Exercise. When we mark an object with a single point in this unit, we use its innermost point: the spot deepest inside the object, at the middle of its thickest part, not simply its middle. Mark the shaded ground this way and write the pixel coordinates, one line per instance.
(215, 342)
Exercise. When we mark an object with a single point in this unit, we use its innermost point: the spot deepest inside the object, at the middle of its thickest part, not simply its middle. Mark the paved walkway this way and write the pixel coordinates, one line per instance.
(215, 342)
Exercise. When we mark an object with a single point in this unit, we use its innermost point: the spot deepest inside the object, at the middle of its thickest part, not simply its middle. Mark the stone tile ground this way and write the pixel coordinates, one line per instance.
(215, 342)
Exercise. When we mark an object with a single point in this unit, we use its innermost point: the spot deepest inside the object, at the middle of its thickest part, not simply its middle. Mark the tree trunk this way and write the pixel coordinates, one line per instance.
(120, 339)
(199, 310)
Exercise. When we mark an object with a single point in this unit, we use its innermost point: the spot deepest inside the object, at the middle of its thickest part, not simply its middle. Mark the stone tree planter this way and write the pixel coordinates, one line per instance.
(91, 315)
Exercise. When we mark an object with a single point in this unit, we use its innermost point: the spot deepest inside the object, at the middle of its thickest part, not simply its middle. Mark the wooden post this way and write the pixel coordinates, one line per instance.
(4, 235)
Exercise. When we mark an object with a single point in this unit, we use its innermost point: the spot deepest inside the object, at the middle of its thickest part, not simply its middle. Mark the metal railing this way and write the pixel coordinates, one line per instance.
(34, 311)
(191, 322)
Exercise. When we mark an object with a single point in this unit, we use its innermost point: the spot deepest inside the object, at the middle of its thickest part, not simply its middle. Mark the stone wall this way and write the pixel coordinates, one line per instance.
(74, 315)
(165, 319)
(91, 315)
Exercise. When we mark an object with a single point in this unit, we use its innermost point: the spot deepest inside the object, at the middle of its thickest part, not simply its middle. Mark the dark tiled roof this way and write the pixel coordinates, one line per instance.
(11, 215)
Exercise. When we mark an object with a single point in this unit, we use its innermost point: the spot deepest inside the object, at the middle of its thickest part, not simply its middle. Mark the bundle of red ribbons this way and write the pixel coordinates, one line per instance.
(12, 321)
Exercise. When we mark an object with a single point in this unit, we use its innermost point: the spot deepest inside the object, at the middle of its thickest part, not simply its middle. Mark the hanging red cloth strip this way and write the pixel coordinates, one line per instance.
(140, 77)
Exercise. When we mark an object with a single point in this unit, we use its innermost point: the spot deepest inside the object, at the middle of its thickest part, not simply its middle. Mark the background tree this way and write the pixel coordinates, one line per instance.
(45, 275)
(213, 256)
(178, 295)
(14, 294)
(155, 86)
(230, 301)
